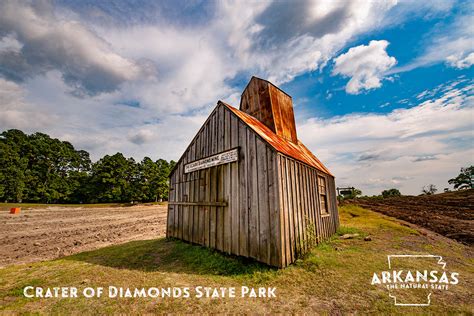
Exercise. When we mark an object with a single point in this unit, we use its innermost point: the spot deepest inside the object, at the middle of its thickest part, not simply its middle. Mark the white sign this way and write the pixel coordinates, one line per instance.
(219, 159)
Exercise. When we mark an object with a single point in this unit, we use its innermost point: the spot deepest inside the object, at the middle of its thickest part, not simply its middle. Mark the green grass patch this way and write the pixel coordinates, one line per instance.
(171, 255)
(342, 230)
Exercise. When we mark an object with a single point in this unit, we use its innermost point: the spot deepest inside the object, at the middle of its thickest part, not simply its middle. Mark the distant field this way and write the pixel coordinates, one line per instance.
(333, 279)
(450, 214)
(42, 232)
(5, 206)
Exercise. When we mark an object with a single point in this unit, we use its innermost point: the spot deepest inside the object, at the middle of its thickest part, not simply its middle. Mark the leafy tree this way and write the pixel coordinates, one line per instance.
(464, 180)
(12, 174)
(13, 165)
(163, 185)
(38, 168)
(111, 177)
(429, 189)
(154, 182)
(391, 193)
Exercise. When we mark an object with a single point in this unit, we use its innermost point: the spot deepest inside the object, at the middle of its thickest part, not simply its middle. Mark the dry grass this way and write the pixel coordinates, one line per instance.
(334, 278)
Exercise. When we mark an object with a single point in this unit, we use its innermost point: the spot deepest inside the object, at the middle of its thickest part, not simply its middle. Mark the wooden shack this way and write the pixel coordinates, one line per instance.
(247, 186)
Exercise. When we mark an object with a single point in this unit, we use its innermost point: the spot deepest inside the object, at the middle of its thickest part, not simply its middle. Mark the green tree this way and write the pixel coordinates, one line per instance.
(54, 168)
(38, 168)
(391, 193)
(429, 189)
(13, 165)
(163, 185)
(150, 178)
(464, 180)
(111, 179)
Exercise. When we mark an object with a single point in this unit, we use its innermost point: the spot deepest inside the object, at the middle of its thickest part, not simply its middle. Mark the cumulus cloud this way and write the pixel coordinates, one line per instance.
(94, 124)
(365, 65)
(86, 61)
(285, 39)
(460, 60)
(370, 150)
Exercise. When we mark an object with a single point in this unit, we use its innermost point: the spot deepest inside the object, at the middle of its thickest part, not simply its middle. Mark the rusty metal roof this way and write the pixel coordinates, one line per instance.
(297, 151)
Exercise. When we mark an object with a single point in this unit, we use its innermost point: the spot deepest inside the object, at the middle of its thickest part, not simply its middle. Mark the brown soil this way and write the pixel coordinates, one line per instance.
(47, 233)
(449, 214)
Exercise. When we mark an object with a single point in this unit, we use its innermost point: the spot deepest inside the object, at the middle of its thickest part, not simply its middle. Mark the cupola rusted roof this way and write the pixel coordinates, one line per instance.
(297, 150)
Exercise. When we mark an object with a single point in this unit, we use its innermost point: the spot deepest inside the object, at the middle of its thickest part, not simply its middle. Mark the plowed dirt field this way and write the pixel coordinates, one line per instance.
(450, 214)
(46, 233)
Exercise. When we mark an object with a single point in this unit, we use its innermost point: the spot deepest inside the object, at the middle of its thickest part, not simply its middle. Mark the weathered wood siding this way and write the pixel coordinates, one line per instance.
(302, 224)
(264, 206)
(249, 224)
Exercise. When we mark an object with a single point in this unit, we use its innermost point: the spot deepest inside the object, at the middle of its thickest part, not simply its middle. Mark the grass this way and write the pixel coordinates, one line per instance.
(333, 278)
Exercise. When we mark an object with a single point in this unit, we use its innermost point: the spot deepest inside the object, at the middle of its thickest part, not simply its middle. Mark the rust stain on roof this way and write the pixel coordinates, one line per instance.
(297, 151)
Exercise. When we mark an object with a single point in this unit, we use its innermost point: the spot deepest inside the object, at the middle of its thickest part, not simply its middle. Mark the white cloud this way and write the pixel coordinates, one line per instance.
(94, 124)
(192, 67)
(460, 60)
(366, 65)
(427, 143)
(86, 62)
(284, 39)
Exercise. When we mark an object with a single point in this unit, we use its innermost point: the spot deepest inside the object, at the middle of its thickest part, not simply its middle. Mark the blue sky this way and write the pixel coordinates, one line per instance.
(382, 89)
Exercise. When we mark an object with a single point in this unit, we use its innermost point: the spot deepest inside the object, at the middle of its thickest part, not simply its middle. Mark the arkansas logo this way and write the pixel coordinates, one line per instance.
(412, 279)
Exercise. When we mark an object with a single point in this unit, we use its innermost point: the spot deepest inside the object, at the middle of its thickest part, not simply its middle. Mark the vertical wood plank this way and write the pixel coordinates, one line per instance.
(254, 237)
(274, 208)
(303, 207)
(291, 228)
(169, 226)
(299, 208)
(213, 209)
(263, 202)
(213, 184)
(294, 209)
(185, 199)
(315, 191)
(196, 238)
(310, 206)
(177, 208)
(234, 199)
(207, 219)
(220, 182)
(220, 210)
(227, 182)
(282, 210)
(243, 191)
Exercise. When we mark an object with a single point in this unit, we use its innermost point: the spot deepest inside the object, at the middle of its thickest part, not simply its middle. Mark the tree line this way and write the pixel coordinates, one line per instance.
(464, 181)
(40, 169)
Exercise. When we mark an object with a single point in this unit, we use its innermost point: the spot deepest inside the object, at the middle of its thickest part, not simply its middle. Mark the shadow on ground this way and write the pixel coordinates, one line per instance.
(169, 255)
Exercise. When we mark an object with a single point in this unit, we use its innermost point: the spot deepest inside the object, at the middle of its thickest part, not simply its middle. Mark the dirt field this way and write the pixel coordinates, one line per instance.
(449, 214)
(47, 233)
